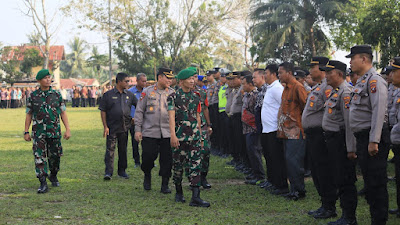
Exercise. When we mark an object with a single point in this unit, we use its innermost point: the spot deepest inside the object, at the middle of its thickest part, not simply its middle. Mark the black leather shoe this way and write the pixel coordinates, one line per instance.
(313, 212)
(268, 186)
(204, 182)
(278, 191)
(179, 194)
(325, 214)
(43, 185)
(147, 182)
(295, 196)
(394, 211)
(54, 181)
(123, 175)
(164, 186)
(196, 200)
(107, 176)
(344, 221)
(250, 177)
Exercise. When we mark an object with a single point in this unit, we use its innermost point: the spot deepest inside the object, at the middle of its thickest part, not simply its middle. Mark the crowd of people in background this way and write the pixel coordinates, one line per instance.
(79, 96)
(13, 97)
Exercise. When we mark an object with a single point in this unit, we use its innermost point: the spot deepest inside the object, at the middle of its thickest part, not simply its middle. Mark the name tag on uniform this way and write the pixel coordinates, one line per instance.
(114, 97)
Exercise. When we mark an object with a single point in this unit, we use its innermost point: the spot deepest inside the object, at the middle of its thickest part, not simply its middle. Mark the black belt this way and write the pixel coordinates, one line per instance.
(330, 134)
(314, 130)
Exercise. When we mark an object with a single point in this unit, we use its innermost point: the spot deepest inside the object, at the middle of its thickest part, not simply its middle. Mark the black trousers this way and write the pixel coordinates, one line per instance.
(254, 150)
(275, 158)
(151, 147)
(344, 172)
(223, 133)
(75, 102)
(321, 166)
(396, 151)
(112, 140)
(374, 171)
(135, 146)
(229, 135)
(238, 139)
(84, 102)
(213, 111)
(3, 104)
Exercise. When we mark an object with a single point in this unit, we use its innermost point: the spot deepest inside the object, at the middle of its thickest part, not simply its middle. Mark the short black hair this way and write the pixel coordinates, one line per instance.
(368, 56)
(273, 68)
(121, 77)
(287, 66)
(249, 79)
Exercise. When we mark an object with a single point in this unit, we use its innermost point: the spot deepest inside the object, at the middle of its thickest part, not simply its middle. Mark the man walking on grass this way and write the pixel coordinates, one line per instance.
(44, 108)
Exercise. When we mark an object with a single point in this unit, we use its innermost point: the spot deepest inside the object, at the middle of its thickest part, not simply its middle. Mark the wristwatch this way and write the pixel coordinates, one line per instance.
(26, 132)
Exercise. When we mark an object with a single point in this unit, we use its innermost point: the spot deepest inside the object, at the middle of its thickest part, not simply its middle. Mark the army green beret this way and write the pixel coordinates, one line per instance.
(42, 73)
(193, 68)
(185, 74)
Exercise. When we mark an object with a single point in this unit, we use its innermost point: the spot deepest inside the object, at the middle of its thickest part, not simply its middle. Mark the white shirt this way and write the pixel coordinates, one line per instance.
(269, 111)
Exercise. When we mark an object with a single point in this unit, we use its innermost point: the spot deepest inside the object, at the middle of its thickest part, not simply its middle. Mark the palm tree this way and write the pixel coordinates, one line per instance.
(293, 23)
(76, 59)
(97, 60)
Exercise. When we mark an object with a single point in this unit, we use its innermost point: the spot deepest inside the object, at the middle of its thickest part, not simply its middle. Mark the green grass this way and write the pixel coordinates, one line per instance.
(84, 198)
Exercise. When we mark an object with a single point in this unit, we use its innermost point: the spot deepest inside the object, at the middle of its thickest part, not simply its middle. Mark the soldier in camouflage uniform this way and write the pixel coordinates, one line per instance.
(206, 132)
(44, 108)
(184, 109)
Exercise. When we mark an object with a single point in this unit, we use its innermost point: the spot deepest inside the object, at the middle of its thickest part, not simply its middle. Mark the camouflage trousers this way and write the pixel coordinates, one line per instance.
(47, 153)
(187, 157)
(205, 154)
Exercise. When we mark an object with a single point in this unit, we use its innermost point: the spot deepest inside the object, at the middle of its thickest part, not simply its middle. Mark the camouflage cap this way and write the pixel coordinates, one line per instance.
(42, 73)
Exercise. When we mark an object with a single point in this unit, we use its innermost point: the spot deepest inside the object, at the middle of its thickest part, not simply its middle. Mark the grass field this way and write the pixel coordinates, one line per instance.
(84, 198)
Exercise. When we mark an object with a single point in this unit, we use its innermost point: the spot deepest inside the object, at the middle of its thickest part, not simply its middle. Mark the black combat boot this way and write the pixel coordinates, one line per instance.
(43, 185)
(179, 194)
(196, 200)
(164, 186)
(204, 181)
(53, 179)
(147, 181)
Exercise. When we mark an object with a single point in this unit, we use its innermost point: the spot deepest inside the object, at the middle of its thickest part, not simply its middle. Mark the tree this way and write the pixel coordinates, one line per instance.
(292, 25)
(32, 59)
(374, 22)
(150, 32)
(76, 59)
(96, 60)
(43, 25)
(10, 67)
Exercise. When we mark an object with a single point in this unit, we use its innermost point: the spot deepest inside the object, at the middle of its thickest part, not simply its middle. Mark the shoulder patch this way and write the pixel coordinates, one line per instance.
(327, 92)
(346, 100)
(372, 85)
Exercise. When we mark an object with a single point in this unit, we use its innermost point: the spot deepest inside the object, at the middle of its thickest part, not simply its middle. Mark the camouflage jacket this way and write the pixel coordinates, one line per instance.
(186, 106)
(204, 103)
(45, 107)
